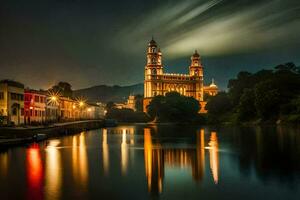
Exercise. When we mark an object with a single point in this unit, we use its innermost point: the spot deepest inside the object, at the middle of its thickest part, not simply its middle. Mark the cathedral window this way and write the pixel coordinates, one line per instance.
(154, 71)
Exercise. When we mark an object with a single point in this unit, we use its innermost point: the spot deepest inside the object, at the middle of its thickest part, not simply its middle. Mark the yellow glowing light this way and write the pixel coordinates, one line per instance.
(89, 109)
(81, 103)
(74, 106)
(53, 98)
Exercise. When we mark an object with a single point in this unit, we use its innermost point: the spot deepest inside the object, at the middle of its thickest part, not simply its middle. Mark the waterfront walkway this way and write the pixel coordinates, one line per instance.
(10, 136)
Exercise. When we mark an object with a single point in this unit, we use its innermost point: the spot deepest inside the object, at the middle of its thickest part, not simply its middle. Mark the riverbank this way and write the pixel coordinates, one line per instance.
(12, 136)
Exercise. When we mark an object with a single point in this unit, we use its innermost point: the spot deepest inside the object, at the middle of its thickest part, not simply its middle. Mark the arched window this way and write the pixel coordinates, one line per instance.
(154, 71)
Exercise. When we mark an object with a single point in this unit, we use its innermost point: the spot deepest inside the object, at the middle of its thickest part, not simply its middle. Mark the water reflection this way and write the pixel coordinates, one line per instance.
(3, 164)
(154, 164)
(105, 152)
(198, 170)
(214, 156)
(124, 153)
(173, 162)
(34, 168)
(53, 178)
(79, 160)
(157, 157)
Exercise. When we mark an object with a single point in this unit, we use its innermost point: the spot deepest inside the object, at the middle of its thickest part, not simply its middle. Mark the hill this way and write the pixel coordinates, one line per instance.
(104, 93)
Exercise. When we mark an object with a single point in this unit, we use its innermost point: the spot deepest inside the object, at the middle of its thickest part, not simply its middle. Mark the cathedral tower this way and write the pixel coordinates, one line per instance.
(153, 69)
(196, 68)
(196, 71)
(159, 83)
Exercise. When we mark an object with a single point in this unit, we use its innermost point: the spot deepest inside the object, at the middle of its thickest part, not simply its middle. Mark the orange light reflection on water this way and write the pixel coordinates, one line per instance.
(34, 171)
(214, 156)
(105, 152)
(53, 171)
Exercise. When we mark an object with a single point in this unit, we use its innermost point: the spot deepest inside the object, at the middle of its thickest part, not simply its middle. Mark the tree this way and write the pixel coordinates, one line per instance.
(246, 108)
(173, 107)
(126, 115)
(288, 67)
(266, 100)
(64, 88)
(219, 104)
(139, 102)
(267, 94)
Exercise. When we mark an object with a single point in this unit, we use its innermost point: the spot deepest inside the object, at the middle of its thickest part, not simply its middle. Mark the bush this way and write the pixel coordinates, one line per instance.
(173, 107)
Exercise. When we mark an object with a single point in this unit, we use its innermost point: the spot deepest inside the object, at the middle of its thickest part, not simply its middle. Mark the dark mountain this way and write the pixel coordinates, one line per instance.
(104, 93)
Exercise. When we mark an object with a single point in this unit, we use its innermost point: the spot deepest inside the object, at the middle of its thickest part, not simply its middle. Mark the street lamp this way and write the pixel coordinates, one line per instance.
(81, 103)
(53, 99)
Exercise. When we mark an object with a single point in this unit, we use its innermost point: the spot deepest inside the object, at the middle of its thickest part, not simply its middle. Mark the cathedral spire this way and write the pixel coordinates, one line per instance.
(152, 43)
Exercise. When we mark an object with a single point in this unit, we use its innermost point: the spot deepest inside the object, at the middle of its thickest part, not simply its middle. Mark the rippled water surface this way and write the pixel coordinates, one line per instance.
(157, 162)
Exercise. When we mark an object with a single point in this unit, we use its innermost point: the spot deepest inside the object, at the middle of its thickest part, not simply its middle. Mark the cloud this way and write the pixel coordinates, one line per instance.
(216, 27)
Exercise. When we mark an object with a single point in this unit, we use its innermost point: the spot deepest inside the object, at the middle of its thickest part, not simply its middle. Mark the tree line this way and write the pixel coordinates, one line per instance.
(265, 96)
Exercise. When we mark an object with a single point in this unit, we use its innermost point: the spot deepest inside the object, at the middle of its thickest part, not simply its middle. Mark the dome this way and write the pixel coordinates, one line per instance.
(213, 85)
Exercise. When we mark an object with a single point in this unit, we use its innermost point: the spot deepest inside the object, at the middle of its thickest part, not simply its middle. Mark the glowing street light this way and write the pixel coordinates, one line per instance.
(53, 98)
(81, 103)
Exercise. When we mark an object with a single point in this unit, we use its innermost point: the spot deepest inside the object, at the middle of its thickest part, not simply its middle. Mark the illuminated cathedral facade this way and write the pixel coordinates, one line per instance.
(159, 83)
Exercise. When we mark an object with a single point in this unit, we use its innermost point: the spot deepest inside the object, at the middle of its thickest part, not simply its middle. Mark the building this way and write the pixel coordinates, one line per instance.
(212, 89)
(94, 111)
(159, 83)
(68, 110)
(131, 102)
(52, 109)
(35, 106)
(11, 102)
(101, 109)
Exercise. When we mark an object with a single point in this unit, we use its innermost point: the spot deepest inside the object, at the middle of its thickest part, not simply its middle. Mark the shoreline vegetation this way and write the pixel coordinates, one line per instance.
(269, 96)
(265, 97)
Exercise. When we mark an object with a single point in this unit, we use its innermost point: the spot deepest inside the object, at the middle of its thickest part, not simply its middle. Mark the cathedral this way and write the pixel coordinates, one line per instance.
(159, 83)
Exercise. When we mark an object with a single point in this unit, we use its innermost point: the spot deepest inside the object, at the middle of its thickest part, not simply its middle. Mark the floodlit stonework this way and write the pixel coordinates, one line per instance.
(159, 83)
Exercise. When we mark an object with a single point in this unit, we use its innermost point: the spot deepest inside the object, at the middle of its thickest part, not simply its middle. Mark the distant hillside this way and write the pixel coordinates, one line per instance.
(104, 93)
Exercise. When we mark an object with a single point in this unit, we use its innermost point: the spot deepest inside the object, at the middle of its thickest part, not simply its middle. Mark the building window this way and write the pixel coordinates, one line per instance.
(17, 97)
(1, 95)
(22, 111)
(37, 99)
(27, 97)
(35, 113)
(14, 111)
(13, 96)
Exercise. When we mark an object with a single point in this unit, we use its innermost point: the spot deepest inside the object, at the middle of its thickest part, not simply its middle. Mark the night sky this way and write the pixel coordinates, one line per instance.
(92, 42)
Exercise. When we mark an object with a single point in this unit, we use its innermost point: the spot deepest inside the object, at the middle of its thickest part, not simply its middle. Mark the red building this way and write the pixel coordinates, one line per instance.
(34, 106)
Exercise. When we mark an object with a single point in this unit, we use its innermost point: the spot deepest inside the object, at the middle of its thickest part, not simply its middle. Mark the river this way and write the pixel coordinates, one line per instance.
(157, 162)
